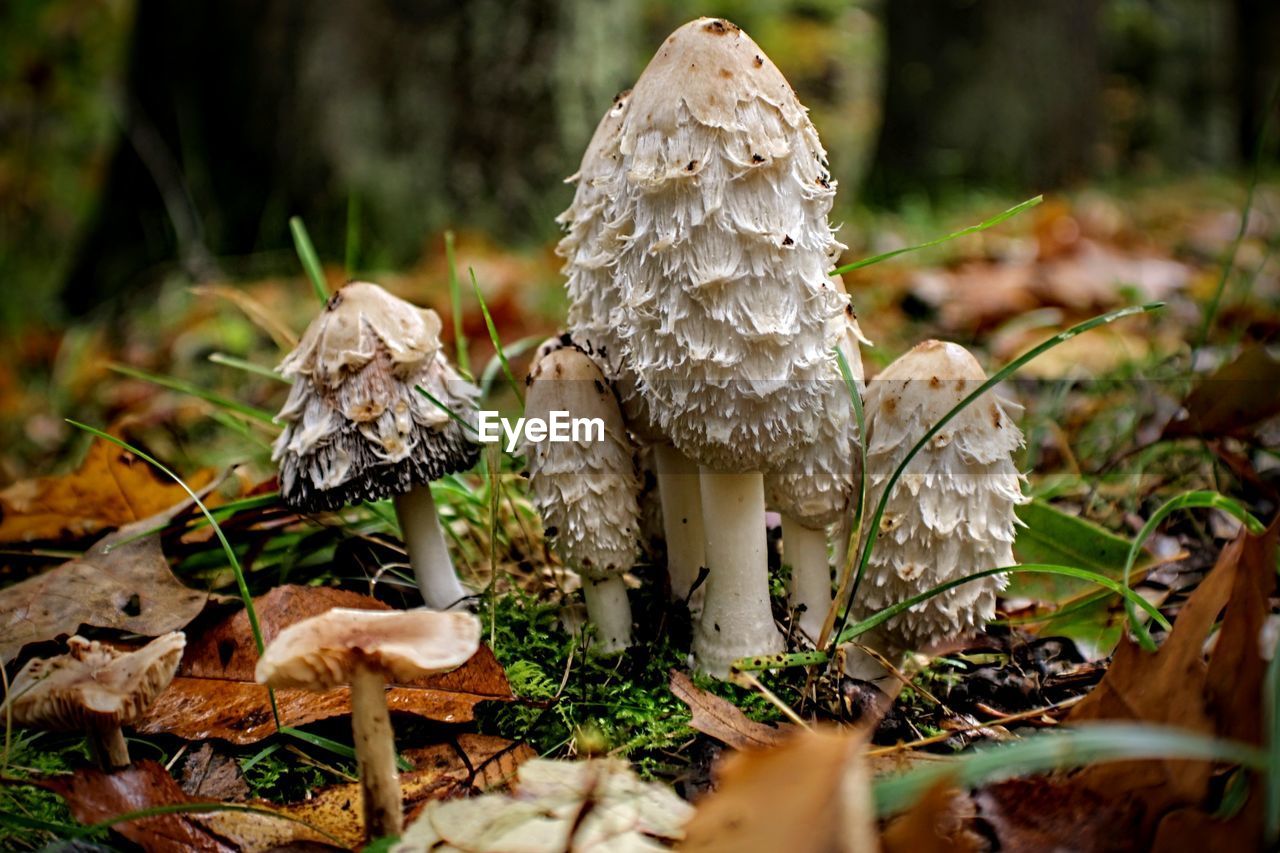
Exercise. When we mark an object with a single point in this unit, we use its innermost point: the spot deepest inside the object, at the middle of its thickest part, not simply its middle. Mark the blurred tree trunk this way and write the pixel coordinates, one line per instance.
(431, 113)
(987, 92)
(1257, 71)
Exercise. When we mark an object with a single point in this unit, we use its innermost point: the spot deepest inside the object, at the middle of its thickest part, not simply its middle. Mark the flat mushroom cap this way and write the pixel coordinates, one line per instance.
(355, 426)
(586, 490)
(94, 686)
(723, 195)
(952, 511)
(323, 652)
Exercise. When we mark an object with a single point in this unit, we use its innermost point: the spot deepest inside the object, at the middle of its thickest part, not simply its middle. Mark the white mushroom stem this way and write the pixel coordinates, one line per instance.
(428, 552)
(682, 528)
(609, 610)
(110, 747)
(737, 620)
(375, 754)
(805, 551)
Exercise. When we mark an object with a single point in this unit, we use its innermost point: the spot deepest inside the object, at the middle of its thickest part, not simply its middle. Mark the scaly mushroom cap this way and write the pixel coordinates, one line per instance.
(356, 427)
(322, 652)
(720, 198)
(586, 490)
(952, 512)
(94, 686)
(816, 485)
(590, 248)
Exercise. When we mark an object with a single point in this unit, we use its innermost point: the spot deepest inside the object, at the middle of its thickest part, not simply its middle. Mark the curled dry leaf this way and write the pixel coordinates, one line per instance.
(333, 816)
(210, 774)
(215, 695)
(810, 795)
(597, 805)
(723, 720)
(111, 488)
(1234, 400)
(128, 587)
(939, 822)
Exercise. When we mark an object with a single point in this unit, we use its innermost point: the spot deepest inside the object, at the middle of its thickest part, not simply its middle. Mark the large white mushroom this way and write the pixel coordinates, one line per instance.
(721, 195)
(586, 488)
(356, 427)
(591, 247)
(952, 512)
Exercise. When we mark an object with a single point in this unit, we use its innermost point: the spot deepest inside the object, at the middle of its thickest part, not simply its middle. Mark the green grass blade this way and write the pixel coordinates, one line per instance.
(963, 232)
(873, 522)
(337, 748)
(855, 535)
(1074, 747)
(1188, 500)
(307, 255)
(494, 365)
(196, 391)
(248, 367)
(497, 343)
(463, 359)
(448, 411)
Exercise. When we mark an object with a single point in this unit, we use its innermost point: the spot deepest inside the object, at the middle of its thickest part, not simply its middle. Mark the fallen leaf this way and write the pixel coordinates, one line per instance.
(111, 488)
(128, 587)
(1031, 815)
(723, 720)
(209, 774)
(1234, 399)
(810, 795)
(1177, 686)
(940, 822)
(215, 696)
(596, 805)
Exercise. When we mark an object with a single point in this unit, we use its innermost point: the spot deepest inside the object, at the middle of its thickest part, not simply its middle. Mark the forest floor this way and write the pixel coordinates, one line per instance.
(1169, 416)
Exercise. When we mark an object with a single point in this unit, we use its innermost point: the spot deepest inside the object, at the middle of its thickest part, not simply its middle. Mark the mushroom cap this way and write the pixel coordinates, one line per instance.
(721, 195)
(952, 511)
(355, 426)
(323, 652)
(94, 686)
(586, 490)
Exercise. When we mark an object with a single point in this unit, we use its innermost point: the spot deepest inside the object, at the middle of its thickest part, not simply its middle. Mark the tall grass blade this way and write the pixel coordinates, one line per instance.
(196, 391)
(497, 342)
(463, 359)
(307, 255)
(248, 367)
(963, 232)
(1188, 500)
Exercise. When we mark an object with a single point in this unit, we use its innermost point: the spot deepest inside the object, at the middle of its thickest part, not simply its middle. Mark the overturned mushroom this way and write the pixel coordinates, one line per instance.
(95, 689)
(364, 649)
(358, 429)
(952, 512)
(726, 309)
(586, 488)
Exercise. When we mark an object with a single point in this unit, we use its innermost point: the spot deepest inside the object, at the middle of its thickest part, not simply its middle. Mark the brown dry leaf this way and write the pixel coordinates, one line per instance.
(209, 774)
(723, 720)
(1234, 400)
(127, 587)
(215, 696)
(810, 795)
(1176, 686)
(940, 821)
(1031, 815)
(111, 488)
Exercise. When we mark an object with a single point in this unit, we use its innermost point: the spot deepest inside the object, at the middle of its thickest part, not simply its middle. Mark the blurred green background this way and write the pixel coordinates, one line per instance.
(143, 140)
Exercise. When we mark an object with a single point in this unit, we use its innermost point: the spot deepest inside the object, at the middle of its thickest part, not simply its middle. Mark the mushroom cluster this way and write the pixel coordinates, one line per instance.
(952, 512)
(586, 489)
(699, 244)
(358, 427)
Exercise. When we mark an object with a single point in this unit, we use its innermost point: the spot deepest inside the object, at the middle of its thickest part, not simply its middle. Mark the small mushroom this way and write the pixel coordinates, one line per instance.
(815, 489)
(364, 649)
(586, 489)
(95, 689)
(952, 512)
(357, 428)
(724, 307)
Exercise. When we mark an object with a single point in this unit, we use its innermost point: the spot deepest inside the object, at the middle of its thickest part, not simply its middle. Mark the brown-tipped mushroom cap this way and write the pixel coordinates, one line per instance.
(323, 652)
(355, 426)
(94, 686)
